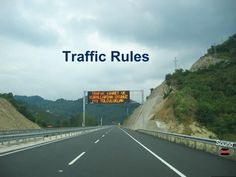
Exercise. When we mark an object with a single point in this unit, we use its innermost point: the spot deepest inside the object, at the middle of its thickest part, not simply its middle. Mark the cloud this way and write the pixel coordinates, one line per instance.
(169, 23)
(17, 23)
(35, 33)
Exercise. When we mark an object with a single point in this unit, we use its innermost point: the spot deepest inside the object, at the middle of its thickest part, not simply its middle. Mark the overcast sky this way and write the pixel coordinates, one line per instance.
(34, 33)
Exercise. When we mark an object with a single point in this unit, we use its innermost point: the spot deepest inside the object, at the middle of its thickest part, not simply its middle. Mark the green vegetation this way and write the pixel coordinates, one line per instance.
(227, 50)
(208, 95)
(76, 121)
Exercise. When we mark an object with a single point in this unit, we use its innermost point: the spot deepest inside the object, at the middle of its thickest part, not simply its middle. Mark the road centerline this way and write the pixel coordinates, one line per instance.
(155, 155)
(73, 161)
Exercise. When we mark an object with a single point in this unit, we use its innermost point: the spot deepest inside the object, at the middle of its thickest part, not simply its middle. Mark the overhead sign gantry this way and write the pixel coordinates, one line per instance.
(108, 97)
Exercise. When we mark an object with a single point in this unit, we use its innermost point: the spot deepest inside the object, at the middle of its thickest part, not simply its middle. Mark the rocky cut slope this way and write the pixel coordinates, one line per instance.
(157, 114)
(11, 119)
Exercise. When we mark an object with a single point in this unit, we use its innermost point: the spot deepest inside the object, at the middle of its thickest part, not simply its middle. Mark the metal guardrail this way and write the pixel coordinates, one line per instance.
(213, 146)
(7, 136)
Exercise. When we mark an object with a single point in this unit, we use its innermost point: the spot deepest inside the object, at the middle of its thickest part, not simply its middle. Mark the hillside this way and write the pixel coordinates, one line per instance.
(198, 102)
(11, 119)
(157, 114)
(65, 112)
(208, 96)
(225, 52)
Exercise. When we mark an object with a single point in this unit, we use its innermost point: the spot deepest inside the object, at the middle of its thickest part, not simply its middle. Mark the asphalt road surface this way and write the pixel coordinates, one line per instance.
(114, 152)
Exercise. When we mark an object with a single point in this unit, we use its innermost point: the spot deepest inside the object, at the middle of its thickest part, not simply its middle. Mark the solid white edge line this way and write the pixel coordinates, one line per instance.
(96, 141)
(73, 161)
(159, 158)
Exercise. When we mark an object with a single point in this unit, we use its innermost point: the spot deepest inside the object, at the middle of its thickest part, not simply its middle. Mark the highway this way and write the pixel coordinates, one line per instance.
(114, 152)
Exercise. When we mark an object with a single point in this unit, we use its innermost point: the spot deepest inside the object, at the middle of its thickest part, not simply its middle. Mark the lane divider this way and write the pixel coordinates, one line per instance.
(73, 161)
(96, 141)
(155, 155)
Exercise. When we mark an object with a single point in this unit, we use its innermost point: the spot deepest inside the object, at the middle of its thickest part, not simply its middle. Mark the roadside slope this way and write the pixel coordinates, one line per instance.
(11, 119)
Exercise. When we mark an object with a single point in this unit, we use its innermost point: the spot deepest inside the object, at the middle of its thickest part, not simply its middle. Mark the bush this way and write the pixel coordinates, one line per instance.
(184, 106)
(205, 112)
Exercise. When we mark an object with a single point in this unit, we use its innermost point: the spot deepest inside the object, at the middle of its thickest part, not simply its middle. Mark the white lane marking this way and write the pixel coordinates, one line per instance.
(60, 171)
(159, 158)
(103, 136)
(73, 161)
(96, 141)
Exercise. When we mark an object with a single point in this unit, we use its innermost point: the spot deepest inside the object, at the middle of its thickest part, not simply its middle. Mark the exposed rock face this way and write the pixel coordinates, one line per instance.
(205, 62)
(143, 115)
(11, 119)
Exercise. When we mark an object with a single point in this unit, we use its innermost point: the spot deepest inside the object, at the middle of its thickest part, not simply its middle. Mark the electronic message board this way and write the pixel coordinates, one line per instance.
(108, 97)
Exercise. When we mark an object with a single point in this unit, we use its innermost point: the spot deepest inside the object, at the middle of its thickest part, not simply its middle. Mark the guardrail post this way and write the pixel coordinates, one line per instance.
(205, 147)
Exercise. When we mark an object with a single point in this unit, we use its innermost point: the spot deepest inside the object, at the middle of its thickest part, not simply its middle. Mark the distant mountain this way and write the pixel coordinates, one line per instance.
(62, 109)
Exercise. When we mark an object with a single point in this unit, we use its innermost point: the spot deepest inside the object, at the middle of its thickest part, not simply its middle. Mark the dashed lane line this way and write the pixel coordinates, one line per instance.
(96, 141)
(79, 156)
